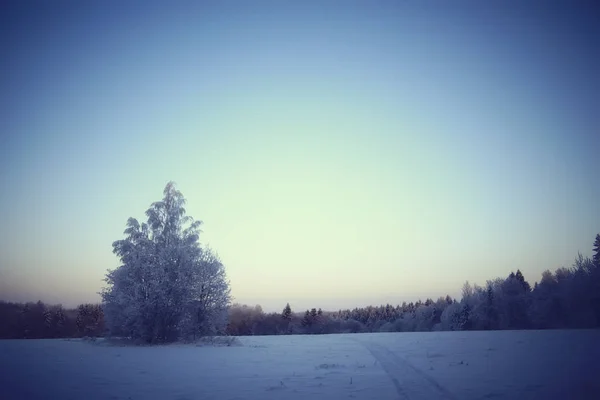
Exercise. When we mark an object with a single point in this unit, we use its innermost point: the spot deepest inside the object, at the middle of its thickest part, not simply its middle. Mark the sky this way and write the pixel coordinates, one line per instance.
(339, 154)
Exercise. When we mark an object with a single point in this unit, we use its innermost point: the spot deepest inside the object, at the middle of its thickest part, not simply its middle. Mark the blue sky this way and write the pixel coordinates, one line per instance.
(339, 154)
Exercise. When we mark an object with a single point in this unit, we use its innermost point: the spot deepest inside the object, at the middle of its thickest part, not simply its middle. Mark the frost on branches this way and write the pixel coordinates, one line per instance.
(168, 287)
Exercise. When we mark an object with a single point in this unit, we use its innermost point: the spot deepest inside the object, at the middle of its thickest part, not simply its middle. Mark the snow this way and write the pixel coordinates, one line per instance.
(432, 365)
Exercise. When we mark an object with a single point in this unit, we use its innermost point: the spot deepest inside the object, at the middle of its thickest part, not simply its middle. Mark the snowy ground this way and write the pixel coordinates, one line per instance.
(437, 365)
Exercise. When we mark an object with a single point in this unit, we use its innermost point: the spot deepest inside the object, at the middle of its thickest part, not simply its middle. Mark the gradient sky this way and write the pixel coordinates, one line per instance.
(339, 155)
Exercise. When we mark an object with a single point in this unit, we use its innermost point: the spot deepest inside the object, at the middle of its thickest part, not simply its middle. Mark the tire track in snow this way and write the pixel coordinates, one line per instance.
(409, 381)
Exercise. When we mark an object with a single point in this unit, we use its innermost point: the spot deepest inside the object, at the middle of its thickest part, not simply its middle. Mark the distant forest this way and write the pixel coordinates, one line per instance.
(566, 299)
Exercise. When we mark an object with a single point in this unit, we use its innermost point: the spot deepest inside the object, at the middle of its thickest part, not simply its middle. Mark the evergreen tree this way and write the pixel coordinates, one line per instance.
(491, 313)
(519, 277)
(307, 320)
(287, 312)
(48, 322)
(24, 322)
(464, 318)
(37, 320)
(516, 302)
(596, 256)
(59, 322)
(90, 320)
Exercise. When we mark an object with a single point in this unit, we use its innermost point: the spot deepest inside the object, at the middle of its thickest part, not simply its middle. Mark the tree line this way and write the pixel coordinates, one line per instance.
(42, 321)
(169, 288)
(569, 298)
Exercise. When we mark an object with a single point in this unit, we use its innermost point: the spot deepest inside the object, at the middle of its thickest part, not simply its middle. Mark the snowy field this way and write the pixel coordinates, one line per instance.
(437, 365)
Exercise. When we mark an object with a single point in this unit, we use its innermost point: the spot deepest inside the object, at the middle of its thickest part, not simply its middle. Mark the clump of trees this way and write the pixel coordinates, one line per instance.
(41, 321)
(90, 320)
(246, 321)
(168, 287)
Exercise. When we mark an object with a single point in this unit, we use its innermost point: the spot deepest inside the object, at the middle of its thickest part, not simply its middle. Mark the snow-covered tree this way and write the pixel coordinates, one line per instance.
(424, 318)
(168, 287)
(548, 309)
(287, 312)
(449, 320)
(519, 277)
(467, 292)
(90, 320)
(465, 320)
(596, 256)
(490, 310)
(242, 318)
(515, 296)
(307, 320)
(59, 321)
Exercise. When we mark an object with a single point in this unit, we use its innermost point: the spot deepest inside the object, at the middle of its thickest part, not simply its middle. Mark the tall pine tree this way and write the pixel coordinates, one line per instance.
(596, 256)
(287, 312)
(307, 320)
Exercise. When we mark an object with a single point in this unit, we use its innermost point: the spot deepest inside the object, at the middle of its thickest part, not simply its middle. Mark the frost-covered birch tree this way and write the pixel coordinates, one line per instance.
(168, 287)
